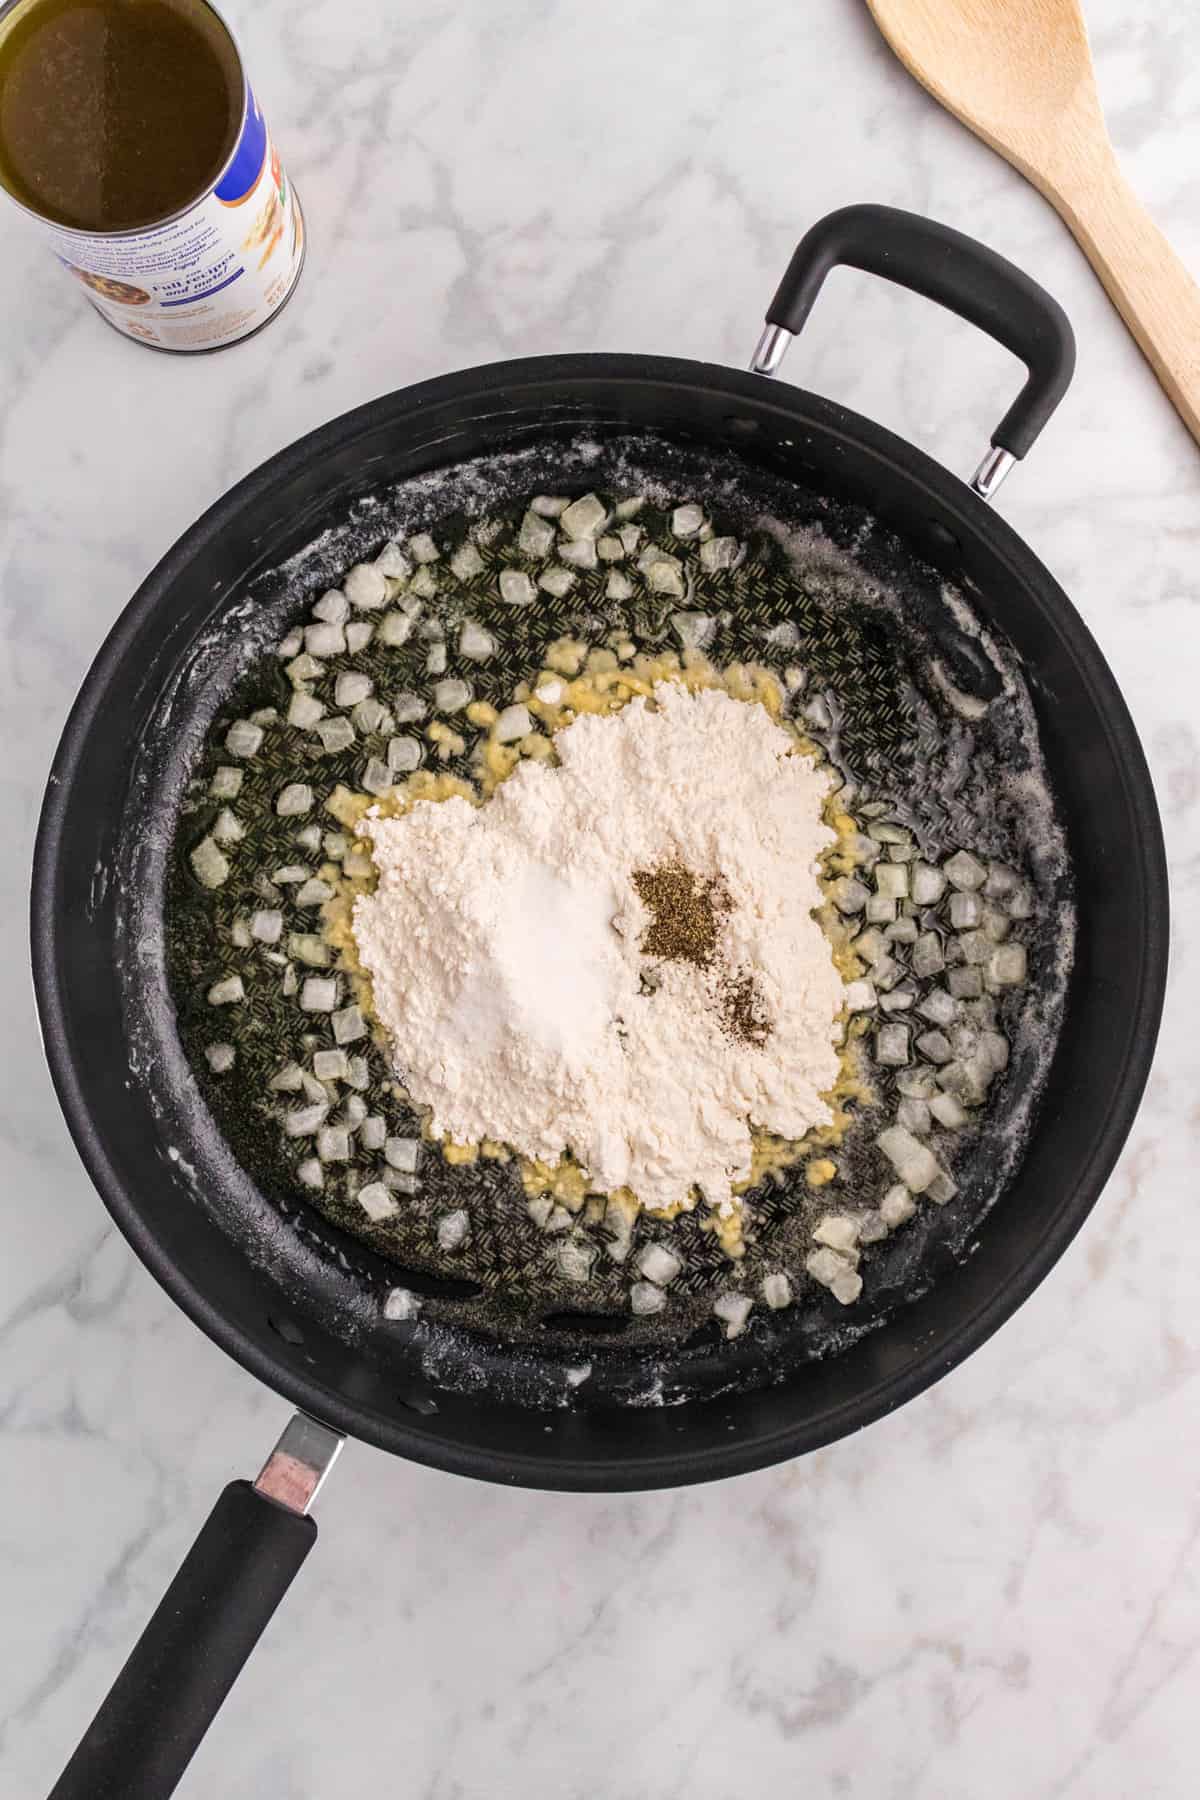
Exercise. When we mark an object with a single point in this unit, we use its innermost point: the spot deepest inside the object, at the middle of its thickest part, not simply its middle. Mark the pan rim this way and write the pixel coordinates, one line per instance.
(741, 1453)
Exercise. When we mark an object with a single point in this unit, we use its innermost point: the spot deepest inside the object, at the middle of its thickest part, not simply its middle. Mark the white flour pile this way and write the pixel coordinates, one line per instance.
(505, 944)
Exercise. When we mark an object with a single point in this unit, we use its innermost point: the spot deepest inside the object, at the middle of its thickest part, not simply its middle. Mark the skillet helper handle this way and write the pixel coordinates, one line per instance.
(965, 277)
(241, 1565)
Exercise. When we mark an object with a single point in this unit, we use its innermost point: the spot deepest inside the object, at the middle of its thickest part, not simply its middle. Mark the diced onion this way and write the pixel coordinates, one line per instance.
(913, 1162)
(210, 865)
(318, 993)
(966, 910)
(226, 783)
(466, 562)
(556, 580)
(369, 715)
(453, 1230)
(777, 1290)
(294, 799)
(733, 1310)
(849, 895)
(665, 576)
(536, 537)
(407, 709)
(378, 1205)
(403, 755)
(928, 884)
(227, 991)
(243, 738)
(476, 643)
(423, 548)
(580, 553)
(333, 1144)
(645, 1298)
(336, 733)
(963, 870)
(516, 589)
(393, 563)
(349, 1025)
(352, 686)
(575, 1259)
(376, 777)
(401, 1303)
(719, 553)
(451, 695)
(324, 640)
(1007, 966)
(514, 722)
(308, 947)
(927, 956)
(891, 1046)
(658, 1264)
(695, 630)
(897, 1205)
(372, 1132)
(402, 1153)
(947, 1111)
(395, 629)
(332, 607)
(366, 587)
(220, 1057)
(266, 926)
(314, 892)
(935, 1046)
(584, 518)
(305, 711)
(938, 1007)
(304, 668)
(838, 1230)
(305, 1121)
(891, 880)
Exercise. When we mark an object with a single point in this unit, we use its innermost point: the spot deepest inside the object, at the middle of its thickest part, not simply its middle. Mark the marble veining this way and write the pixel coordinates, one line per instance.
(996, 1591)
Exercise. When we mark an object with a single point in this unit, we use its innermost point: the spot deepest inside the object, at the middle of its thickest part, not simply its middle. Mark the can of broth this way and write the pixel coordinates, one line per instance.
(130, 133)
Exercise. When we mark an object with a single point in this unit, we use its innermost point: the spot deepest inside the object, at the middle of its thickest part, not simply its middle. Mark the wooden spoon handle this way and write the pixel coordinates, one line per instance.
(1146, 281)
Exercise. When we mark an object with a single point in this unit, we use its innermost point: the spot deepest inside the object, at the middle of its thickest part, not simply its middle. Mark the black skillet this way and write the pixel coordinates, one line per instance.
(280, 1295)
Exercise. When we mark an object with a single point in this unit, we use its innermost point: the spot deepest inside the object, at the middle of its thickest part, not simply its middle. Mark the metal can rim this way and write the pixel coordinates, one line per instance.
(136, 231)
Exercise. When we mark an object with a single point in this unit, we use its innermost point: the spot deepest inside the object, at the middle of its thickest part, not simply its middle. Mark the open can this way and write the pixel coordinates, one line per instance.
(215, 269)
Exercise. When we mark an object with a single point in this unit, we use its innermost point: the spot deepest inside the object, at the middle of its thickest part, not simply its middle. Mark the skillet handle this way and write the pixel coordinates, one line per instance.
(958, 273)
(241, 1565)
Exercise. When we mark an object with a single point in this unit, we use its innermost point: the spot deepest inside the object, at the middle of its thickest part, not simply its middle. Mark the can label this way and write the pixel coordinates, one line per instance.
(211, 275)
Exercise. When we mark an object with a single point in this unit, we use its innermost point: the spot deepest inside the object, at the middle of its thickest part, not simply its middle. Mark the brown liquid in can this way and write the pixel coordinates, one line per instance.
(115, 114)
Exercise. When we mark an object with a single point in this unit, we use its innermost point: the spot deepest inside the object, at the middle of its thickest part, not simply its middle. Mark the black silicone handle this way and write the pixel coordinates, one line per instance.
(191, 1652)
(958, 273)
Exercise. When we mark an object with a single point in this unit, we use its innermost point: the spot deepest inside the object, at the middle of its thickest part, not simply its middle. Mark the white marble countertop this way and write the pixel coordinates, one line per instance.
(997, 1591)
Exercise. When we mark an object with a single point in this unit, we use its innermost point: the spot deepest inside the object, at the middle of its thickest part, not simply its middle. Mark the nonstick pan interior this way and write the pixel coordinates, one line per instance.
(481, 1376)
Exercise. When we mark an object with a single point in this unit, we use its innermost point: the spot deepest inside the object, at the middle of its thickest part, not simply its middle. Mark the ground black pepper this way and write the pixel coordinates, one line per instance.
(687, 914)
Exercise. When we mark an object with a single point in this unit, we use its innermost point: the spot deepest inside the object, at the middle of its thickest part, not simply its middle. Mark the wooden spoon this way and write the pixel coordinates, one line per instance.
(1019, 74)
